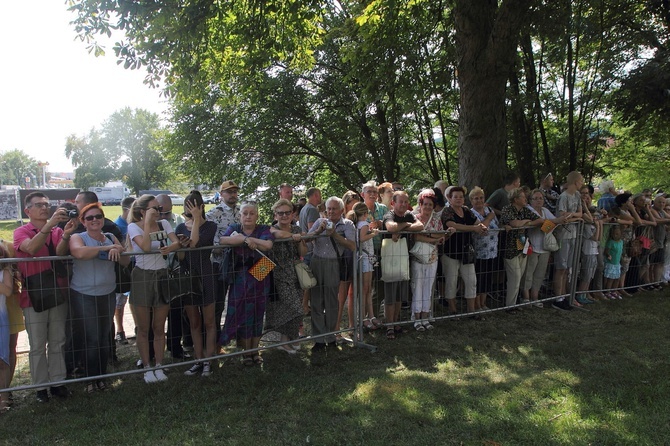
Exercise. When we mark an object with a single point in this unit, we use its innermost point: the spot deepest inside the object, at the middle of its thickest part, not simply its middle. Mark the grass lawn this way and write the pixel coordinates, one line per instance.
(541, 377)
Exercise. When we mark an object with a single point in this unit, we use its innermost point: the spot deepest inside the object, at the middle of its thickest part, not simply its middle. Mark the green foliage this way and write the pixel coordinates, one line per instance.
(127, 147)
(294, 84)
(15, 166)
(341, 92)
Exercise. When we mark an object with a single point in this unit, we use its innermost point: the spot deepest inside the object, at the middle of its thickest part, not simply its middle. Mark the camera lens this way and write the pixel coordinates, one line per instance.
(73, 213)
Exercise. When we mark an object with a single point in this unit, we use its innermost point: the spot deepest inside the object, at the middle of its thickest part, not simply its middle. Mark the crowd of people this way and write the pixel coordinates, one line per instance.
(410, 252)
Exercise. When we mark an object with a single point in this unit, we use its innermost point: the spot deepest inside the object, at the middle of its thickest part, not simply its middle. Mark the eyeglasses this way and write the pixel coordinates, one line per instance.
(40, 205)
(159, 209)
(283, 213)
(94, 217)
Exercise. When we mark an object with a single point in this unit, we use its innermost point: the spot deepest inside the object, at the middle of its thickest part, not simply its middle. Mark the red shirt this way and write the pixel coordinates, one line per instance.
(27, 232)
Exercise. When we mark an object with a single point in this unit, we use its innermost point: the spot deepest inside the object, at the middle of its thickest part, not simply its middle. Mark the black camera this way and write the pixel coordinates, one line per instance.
(73, 213)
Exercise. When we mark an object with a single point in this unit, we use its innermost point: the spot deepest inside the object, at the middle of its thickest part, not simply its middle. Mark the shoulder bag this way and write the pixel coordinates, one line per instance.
(394, 260)
(43, 290)
(305, 275)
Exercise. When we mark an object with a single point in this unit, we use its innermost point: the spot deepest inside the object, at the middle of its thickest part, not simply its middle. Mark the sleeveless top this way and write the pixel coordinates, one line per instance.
(94, 277)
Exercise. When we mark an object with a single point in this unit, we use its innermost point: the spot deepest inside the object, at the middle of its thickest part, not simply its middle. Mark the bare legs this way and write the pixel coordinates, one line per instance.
(143, 321)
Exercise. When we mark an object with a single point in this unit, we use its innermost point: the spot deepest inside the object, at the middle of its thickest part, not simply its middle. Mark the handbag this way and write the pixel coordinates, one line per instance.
(305, 275)
(548, 227)
(550, 243)
(345, 262)
(423, 252)
(43, 291)
(123, 276)
(395, 260)
(123, 273)
(180, 282)
(469, 255)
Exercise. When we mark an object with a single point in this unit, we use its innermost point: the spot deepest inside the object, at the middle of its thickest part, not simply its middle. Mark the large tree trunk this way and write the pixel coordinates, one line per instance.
(486, 39)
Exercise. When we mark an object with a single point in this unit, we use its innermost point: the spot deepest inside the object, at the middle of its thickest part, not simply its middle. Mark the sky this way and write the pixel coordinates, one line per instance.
(51, 87)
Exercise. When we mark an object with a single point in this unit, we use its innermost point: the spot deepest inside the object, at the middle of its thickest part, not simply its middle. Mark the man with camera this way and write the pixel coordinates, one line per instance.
(41, 237)
(335, 234)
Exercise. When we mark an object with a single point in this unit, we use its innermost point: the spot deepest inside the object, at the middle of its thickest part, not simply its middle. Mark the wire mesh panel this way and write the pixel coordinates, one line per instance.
(95, 343)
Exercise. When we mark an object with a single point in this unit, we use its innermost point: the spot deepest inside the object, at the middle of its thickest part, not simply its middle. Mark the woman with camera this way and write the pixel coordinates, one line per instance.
(92, 296)
(149, 291)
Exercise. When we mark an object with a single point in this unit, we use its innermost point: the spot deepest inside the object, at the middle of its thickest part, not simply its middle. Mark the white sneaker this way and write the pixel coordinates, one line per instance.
(150, 377)
(160, 375)
(206, 369)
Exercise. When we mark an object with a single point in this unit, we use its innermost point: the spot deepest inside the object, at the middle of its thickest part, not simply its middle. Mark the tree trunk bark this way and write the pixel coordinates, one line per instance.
(486, 39)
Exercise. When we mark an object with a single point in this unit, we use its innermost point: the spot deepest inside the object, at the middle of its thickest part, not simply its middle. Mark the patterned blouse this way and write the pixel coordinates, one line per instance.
(516, 237)
(486, 245)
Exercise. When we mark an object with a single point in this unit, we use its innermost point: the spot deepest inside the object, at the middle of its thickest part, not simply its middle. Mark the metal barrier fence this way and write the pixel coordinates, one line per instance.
(437, 289)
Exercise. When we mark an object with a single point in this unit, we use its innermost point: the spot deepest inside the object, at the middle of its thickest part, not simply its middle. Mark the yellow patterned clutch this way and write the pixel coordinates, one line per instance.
(262, 267)
(548, 226)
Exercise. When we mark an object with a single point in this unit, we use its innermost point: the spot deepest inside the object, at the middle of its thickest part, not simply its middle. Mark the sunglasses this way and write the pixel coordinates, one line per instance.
(159, 209)
(94, 217)
(283, 213)
(165, 213)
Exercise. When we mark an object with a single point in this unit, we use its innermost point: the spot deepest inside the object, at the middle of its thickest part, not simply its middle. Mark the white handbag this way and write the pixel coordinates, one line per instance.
(424, 252)
(305, 275)
(395, 260)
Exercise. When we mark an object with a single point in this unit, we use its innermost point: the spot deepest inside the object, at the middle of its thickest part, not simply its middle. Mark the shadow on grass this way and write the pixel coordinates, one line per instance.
(539, 377)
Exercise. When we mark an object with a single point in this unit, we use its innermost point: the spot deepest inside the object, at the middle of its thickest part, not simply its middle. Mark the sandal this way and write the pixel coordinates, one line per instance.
(257, 359)
(390, 334)
(90, 388)
(377, 323)
(399, 329)
(101, 385)
(248, 361)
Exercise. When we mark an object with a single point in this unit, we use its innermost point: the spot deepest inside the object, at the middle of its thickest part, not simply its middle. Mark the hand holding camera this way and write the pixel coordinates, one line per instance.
(158, 236)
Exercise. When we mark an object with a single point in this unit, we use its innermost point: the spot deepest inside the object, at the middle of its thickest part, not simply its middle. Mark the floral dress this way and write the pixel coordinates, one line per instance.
(247, 296)
(284, 310)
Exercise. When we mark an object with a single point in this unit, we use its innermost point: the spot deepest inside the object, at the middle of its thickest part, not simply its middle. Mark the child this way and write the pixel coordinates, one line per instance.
(613, 251)
(6, 288)
(365, 236)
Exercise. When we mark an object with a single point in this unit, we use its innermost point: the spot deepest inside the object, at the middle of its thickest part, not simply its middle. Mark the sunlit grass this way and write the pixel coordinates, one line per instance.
(541, 377)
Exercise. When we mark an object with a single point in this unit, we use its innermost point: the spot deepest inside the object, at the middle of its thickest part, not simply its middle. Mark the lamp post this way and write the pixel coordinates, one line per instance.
(44, 165)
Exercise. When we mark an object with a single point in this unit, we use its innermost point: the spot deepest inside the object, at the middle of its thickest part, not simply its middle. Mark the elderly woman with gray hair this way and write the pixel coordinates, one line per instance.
(517, 217)
(247, 295)
(334, 235)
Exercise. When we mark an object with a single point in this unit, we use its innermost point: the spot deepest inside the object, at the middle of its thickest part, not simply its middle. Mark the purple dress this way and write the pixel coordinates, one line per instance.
(246, 296)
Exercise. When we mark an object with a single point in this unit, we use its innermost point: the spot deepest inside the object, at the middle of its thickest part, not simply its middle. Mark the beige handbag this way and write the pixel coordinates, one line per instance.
(305, 275)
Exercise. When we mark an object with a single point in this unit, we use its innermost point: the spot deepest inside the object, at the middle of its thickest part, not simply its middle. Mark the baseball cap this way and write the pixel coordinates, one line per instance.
(227, 185)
